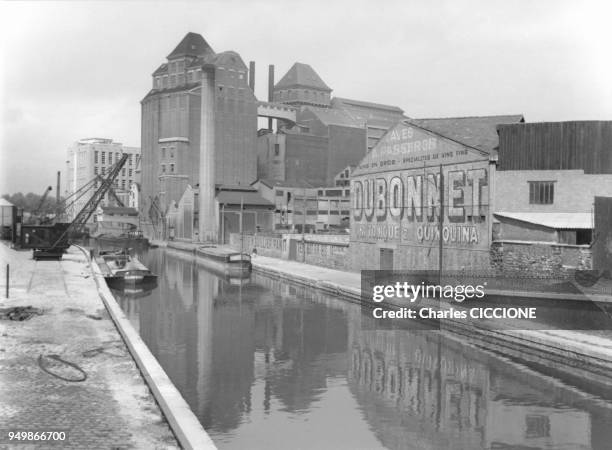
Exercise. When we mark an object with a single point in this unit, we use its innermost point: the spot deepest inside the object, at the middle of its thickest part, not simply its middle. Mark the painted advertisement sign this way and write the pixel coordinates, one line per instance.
(396, 191)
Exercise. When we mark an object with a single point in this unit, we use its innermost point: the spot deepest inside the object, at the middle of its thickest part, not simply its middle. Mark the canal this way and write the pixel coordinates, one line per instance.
(265, 364)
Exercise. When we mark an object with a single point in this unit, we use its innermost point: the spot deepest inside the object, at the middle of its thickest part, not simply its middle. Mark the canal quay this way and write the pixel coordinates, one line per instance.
(276, 361)
(94, 392)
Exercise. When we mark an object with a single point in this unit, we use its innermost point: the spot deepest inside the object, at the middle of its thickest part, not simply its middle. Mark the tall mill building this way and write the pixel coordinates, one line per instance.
(187, 141)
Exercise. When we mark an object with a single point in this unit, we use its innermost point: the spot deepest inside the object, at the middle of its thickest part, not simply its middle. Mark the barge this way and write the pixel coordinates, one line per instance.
(121, 270)
(224, 260)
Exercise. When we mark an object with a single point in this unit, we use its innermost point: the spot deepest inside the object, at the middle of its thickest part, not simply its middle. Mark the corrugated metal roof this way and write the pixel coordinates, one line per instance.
(245, 197)
(558, 221)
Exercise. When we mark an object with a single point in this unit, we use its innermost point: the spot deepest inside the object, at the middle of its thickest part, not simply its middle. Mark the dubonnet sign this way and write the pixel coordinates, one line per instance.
(396, 191)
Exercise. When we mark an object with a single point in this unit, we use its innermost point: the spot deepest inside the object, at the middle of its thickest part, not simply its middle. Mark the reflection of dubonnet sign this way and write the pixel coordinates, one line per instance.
(404, 205)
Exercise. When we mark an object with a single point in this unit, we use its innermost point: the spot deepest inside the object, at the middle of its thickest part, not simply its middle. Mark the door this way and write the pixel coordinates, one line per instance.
(386, 259)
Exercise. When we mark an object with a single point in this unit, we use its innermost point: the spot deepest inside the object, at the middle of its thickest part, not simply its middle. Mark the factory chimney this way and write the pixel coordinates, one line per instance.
(252, 75)
(270, 90)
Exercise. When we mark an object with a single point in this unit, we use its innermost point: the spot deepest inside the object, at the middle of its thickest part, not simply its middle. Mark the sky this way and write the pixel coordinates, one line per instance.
(71, 70)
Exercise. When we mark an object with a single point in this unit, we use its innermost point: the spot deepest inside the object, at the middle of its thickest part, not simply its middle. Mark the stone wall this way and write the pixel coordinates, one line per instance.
(539, 259)
(332, 251)
(324, 254)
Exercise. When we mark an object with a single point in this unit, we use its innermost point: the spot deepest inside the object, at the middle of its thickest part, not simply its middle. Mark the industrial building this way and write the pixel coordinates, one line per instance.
(178, 127)
(398, 187)
(93, 157)
(548, 176)
(328, 134)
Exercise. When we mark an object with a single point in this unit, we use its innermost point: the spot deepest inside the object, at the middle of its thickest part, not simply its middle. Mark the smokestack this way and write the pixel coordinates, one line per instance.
(252, 75)
(270, 90)
(57, 194)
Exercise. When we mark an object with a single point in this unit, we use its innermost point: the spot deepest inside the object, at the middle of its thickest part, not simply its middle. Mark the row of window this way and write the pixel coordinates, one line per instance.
(124, 184)
(170, 81)
(306, 94)
(101, 156)
(102, 171)
(170, 167)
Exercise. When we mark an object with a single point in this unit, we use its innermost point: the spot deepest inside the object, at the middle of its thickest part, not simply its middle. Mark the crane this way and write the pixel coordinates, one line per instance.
(34, 215)
(51, 241)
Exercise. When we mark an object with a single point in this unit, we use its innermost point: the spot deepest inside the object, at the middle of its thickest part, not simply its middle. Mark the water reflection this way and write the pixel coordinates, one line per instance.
(270, 365)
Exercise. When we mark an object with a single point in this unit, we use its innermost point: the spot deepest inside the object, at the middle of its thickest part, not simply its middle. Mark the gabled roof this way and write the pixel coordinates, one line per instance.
(478, 132)
(192, 44)
(5, 202)
(302, 75)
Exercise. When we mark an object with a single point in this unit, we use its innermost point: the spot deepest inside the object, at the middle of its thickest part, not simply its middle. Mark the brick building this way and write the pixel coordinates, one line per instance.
(173, 119)
(329, 133)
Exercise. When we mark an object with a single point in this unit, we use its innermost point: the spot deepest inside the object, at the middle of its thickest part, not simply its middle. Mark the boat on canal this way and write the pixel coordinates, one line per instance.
(224, 260)
(121, 270)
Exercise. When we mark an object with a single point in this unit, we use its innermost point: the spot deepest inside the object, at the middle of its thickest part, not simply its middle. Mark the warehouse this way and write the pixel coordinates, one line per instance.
(397, 190)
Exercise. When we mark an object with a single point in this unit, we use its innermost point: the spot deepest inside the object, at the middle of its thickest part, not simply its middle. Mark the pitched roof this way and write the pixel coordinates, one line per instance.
(192, 44)
(245, 197)
(285, 184)
(5, 202)
(302, 75)
(333, 117)
(478, 132)
(339, 101)
(557, 221)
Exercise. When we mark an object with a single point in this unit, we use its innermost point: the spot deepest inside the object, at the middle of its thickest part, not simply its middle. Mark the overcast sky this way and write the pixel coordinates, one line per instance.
(72, 70)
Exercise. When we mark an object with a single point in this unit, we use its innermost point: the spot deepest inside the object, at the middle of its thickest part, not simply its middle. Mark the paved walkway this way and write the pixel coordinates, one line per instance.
(113, 408)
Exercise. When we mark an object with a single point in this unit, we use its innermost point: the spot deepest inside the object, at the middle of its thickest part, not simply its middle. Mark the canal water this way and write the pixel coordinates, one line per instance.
(265, 364)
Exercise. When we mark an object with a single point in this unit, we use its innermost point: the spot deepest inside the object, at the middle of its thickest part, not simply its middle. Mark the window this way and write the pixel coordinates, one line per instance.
(103, 159)
(123, 171)
(117, 156)
(541, 192)
(171, 152)
(163, 152)
(96, 157)
(103, 170)
(96, 170)
(280, 193)
(130, 159)
(110, 157)
(172, 168)
(276, 149)
(123, 184)
(130, 172)
(163, 167)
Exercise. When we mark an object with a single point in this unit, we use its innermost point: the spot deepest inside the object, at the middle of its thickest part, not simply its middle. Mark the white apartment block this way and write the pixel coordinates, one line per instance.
(88, 158)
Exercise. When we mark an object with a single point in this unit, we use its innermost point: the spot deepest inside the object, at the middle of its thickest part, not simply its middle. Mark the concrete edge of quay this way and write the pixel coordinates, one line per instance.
(184, 424)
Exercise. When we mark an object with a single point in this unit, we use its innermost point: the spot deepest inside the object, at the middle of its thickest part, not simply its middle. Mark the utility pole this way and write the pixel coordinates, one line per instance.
(241, 234)
(441, 226)
(304, 226)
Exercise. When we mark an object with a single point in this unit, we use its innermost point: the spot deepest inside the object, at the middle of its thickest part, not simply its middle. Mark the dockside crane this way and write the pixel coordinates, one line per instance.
(35, 214)
(52, 241)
